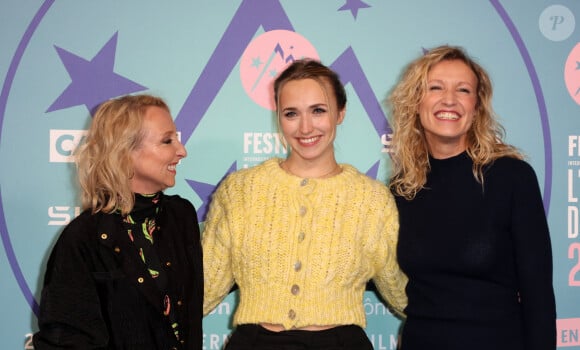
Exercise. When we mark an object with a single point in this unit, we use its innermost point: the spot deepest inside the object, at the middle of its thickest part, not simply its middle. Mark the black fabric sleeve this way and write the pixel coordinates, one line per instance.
(70, 311)
(534, 260)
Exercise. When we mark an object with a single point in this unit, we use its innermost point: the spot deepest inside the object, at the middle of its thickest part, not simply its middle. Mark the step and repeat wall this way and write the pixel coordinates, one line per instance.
(213, 61)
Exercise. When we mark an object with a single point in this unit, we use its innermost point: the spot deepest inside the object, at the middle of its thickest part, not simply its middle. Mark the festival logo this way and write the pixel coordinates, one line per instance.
(266, 57)
(572, 73)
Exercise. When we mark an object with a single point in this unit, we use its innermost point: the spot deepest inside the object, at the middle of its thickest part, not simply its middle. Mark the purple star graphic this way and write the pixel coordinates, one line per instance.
(354, 6)
(94, 81)
(373, 170)
(204, 191)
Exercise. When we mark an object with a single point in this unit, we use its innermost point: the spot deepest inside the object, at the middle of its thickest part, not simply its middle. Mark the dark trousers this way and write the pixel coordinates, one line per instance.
(251, 336)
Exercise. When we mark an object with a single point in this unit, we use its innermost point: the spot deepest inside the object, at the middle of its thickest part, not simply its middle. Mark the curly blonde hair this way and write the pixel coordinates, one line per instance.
(410, 154)
(104, 160)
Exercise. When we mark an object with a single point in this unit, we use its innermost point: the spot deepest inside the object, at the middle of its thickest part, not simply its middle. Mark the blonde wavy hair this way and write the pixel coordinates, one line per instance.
(410, 154)
(104, 160)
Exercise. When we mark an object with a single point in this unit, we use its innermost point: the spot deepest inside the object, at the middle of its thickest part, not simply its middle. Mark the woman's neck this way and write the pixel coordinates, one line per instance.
(445, 151)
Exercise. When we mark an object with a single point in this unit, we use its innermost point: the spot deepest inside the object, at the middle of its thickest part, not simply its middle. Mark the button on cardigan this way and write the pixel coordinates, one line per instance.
(301, 250)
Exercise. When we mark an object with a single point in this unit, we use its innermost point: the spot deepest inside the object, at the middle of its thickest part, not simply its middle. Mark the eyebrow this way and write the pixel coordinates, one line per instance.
(441, 81)
(310, 106)
(169, 133)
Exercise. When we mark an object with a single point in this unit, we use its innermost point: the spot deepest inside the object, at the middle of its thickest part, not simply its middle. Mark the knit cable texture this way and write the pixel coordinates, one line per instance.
(301, 250)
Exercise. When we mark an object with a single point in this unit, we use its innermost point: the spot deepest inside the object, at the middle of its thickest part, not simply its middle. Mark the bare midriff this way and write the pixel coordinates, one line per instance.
(278, 327)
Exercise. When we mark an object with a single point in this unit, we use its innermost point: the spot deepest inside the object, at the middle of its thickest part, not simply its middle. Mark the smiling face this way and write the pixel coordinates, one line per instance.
(308, 116)
(448, 107)
(155, 158)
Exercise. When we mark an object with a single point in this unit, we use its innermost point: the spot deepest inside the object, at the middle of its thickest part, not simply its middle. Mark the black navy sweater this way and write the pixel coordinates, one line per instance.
(478, 259)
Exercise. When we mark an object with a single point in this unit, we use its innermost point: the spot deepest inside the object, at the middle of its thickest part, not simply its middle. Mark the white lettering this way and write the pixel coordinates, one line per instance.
(215, 341)
(377, 308)
(263, 143)
(573, 145)
(386, 140)
(63, 143)
(377, 341)
(257, 142)
(571, 198)
(62, 215)
(223, 308)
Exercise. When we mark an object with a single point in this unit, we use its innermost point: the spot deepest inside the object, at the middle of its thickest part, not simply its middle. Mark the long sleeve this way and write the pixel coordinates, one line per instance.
(478, 258)
(98, 293)
(389, 279)
(216, 243)
(70, 311)
(300, 250)
(534, 262)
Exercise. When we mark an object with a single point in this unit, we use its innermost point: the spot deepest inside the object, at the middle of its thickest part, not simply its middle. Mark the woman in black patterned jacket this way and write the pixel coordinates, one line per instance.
(127, 273)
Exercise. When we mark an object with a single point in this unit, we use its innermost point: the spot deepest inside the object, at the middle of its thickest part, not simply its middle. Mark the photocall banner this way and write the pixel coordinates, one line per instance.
(214, 61)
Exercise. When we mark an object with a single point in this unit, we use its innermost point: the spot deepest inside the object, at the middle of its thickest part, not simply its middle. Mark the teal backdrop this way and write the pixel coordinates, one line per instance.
(213, 61)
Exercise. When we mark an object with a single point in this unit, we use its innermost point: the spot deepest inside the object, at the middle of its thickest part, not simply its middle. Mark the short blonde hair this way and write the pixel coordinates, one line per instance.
(410, 152)
(104, 160)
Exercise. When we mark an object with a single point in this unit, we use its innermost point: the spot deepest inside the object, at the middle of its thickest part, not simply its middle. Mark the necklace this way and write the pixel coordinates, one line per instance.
(334, 171)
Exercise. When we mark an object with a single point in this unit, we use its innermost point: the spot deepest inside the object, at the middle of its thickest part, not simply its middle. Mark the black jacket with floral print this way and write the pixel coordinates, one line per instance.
(98, 293)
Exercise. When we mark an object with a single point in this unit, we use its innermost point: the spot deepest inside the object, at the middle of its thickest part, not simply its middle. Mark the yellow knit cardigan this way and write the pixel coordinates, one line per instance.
(301, 250)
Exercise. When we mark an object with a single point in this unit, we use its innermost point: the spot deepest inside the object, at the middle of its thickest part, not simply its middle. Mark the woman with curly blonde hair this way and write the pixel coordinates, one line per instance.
(473, 239)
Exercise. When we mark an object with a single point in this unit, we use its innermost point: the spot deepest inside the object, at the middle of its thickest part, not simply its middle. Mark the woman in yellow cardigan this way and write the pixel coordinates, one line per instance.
(301, 237)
